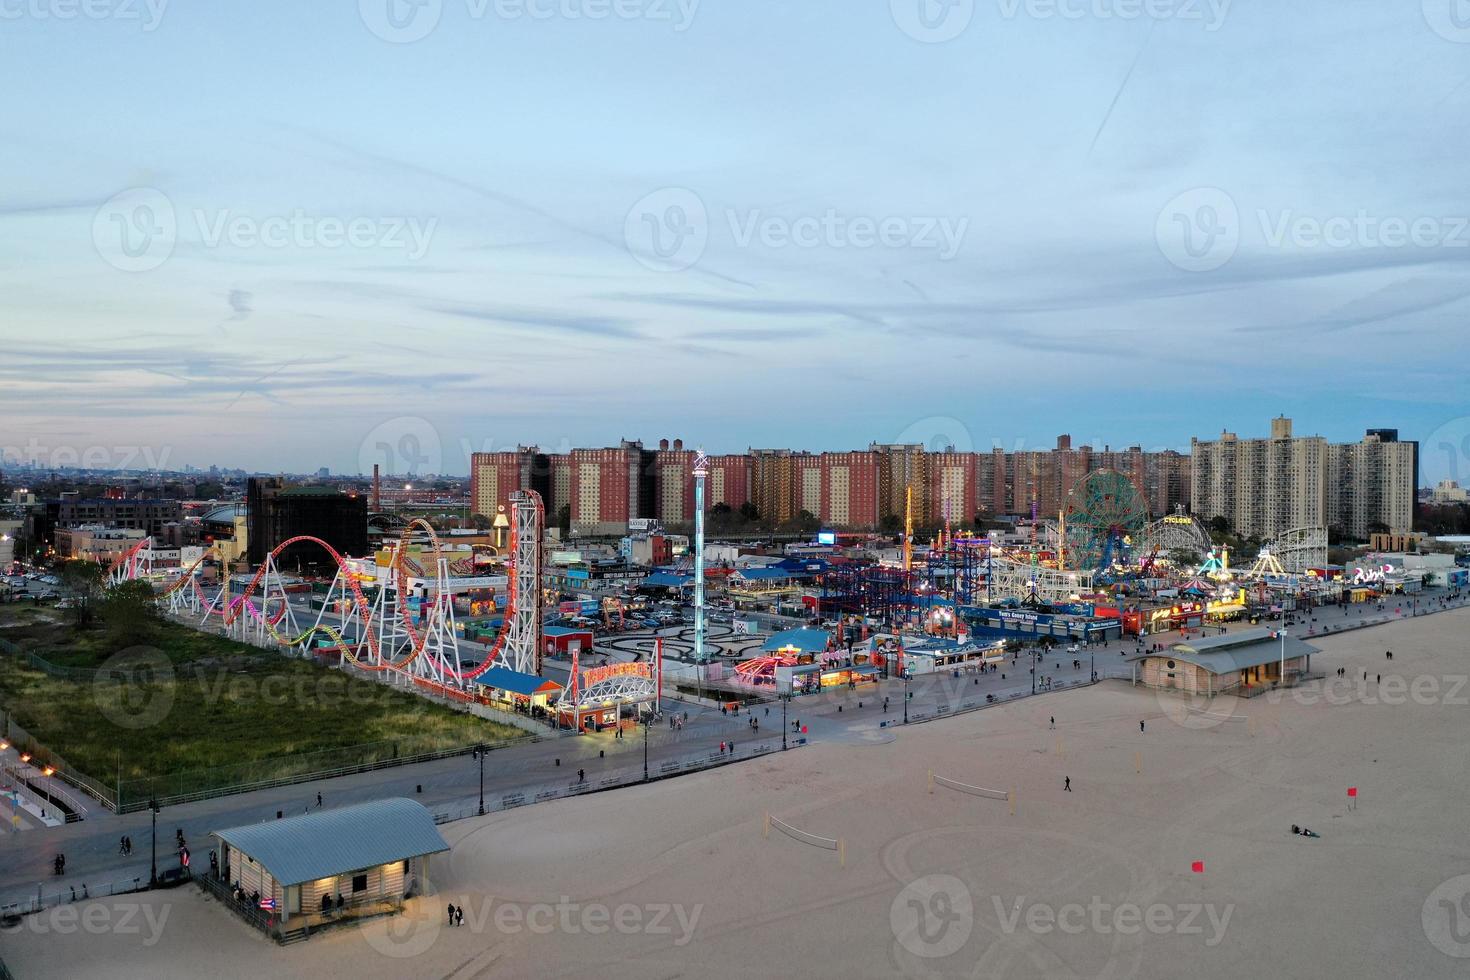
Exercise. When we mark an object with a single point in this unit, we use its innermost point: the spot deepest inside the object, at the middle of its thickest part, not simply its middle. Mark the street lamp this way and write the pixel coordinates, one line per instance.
(785, 699)
(647, 724)
(153, 844)
(480, 752)
(1282, 668)
(907, 673)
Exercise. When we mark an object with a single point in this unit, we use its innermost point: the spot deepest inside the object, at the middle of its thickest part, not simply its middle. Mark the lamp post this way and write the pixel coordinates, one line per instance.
(153, 844)
(1282, 668)
(647, 723)
(785, 699)
(480, 751)
(906, 675)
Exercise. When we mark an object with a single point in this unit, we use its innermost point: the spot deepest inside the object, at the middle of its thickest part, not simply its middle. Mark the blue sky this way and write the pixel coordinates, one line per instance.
(288, 235)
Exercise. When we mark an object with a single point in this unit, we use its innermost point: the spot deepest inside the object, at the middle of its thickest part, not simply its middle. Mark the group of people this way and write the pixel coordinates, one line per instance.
(456, 915)
(125, 845)
(327, 904)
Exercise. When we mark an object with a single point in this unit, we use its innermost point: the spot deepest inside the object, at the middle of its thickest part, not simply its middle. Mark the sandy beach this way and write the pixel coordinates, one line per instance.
(681, 878)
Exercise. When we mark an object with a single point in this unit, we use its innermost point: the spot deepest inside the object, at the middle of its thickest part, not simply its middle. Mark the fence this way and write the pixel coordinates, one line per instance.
(43, 900)
(562, 788)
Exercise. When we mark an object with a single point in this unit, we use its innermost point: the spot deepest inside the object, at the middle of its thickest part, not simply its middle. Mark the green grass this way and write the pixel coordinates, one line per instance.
(229, 714)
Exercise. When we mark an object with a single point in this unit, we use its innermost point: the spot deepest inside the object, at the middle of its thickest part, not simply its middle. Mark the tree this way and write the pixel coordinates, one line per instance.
(748, 513)
(83, 579)
(1220, 527)
(890, 524)
(480, 521)
(130, 613)
(564, 519)
(1377, 527)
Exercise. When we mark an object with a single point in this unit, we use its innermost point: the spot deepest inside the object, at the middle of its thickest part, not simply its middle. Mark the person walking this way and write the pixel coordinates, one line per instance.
(1067, 785)
(318, 800)
(1140, 727)
(451, 913)
(459, 915)
(1053, 721)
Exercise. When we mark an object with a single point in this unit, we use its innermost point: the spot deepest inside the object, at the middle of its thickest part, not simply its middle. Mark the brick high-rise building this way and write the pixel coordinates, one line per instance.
(901, 468)
(674, 483)
(1371, 485)
(850, 489)
(774, 486)
(950, 480)
(728, 481)
(610, 487)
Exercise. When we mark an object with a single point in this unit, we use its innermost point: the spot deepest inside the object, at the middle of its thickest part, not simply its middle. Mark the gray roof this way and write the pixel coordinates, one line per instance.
(1237, 651)
(333, 842)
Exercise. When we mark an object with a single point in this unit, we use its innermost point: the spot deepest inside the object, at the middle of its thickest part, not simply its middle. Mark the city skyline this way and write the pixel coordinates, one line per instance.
(283, 267)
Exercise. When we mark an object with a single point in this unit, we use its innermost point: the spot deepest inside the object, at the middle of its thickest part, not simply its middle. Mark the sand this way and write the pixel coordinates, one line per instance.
(678, 879)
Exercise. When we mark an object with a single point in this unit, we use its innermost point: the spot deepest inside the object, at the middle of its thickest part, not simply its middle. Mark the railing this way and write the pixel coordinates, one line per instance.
(657, 770)
(43, 900)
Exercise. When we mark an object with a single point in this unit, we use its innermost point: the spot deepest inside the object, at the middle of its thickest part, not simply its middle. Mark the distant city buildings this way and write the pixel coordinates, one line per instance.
(603, 490)
(1266, 486)
(1449, 492)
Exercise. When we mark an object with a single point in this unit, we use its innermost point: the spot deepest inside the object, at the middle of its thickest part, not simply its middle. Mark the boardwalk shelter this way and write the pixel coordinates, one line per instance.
(1246, 663)
(371, 856)
(518, 691)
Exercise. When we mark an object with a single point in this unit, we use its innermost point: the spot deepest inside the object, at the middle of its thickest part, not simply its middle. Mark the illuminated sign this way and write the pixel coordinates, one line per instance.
(1179, 520)
(596, 675)
(826, 537)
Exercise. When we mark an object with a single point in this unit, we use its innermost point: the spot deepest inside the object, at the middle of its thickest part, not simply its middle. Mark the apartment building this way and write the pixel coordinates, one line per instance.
(1266, 486)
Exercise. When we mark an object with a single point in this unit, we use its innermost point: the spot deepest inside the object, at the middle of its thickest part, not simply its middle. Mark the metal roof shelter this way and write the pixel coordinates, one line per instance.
(1238, 651)
(318, 845)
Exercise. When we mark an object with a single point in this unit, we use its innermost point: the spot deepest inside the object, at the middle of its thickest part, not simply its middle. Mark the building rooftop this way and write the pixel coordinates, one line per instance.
(1237, 651)
(803, 639)
(332, 842)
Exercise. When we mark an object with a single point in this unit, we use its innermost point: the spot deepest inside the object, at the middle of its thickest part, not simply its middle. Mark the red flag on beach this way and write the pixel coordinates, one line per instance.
(1198, 867)
(1352, 791)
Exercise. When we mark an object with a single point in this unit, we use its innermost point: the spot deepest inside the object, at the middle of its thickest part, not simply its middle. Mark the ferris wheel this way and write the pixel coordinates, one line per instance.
(1105, 512)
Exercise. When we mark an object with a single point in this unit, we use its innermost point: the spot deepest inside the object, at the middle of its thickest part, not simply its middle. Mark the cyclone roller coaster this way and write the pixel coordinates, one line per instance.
(405, 629)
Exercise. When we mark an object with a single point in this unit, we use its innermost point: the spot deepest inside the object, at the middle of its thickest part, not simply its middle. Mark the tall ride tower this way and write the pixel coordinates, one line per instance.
(701, 470)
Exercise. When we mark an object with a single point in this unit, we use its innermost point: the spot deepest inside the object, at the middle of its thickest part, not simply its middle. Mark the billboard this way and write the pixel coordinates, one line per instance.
(826, 537)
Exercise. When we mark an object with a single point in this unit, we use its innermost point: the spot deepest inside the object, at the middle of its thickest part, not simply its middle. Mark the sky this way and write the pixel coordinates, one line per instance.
(290, 235)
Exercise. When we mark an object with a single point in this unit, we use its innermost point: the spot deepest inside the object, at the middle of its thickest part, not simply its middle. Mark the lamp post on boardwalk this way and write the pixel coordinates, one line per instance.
(1282, 668)
(785, 699)
(647, 723)
(153, 844)
(480, 752)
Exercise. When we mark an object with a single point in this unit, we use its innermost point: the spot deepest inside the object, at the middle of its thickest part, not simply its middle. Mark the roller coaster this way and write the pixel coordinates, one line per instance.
(404, 630)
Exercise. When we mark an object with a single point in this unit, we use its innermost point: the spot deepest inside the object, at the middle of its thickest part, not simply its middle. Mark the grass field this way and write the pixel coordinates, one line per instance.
(211, 712)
